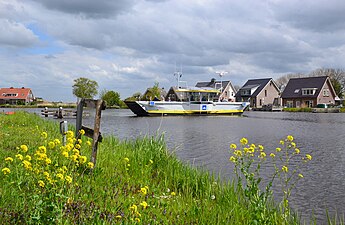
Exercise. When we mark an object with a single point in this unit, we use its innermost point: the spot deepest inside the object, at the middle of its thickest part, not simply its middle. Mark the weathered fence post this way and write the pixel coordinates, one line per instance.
(95, 133)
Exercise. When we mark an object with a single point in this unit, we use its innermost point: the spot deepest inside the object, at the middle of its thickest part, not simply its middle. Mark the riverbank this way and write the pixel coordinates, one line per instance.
(133, 181)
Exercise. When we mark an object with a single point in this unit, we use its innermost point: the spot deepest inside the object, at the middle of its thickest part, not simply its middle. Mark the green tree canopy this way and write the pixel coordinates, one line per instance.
(85, 88)
(111, 98)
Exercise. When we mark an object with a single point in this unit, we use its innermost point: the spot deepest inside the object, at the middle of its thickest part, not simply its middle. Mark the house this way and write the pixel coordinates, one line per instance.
(308, 92)
(259, 92)
(227, 90)
(153, 94)
(16, 96)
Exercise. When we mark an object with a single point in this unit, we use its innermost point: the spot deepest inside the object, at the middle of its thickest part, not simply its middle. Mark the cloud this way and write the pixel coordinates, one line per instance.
(128, 45)
(16, 34)
(317, 16)
(89, 8)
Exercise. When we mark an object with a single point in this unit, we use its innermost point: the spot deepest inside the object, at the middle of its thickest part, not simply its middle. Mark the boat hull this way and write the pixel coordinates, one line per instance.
(158, 108)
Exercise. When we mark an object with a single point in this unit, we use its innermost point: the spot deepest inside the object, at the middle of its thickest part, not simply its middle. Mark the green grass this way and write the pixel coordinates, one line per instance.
(127, 173)
(297, 109)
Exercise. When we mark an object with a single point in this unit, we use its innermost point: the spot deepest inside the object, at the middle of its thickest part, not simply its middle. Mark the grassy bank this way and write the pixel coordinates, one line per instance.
(43, 182)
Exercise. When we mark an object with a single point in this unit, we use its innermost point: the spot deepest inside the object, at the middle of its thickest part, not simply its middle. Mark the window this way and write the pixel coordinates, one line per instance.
(265, 93)
(289, 104)
(308, 91)
(325, 92)
(245, 92)
(296, 91)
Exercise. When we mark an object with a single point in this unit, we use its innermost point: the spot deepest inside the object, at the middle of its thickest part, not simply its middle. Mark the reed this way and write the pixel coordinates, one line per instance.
(134, 181)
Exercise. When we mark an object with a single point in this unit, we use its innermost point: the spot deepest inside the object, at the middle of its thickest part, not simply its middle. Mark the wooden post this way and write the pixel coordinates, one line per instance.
(95, 133)
(99, 108)
(79, 116)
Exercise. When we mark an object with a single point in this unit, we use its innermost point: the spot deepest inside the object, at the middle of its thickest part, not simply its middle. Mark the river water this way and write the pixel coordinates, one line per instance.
(204, 141)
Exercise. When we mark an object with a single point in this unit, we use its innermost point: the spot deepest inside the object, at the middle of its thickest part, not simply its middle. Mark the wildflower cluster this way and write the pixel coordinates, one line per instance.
(49, 165)
(249, 160)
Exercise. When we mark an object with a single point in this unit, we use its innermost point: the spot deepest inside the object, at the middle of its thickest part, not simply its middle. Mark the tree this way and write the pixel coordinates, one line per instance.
(85, 88)
(110, 97)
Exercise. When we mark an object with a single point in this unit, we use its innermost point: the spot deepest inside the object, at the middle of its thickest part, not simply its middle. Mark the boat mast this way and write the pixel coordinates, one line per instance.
(178, 76)
(221, 74)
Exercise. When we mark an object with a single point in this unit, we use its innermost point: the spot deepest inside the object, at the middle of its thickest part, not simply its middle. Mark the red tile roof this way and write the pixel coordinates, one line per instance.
(15, 93)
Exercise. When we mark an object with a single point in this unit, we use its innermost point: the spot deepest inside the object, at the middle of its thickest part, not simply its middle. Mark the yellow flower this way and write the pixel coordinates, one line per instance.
(90, 165)
(75, 151)
(285, 169)
(6, 170)
(80, 141)
(261, 148)
(42, 149)
(70, 134)
(233, 159)
(41, 183)
(300, 175)
(297, 151)
(173, 193)
(69, 179)
(143, 190)
(9, 159)
(134, 208)
(308, 157)
(137, 220)
(281, 142)
(77, 146)
(82, 132)
(19, 156)
(27, 165)
(51, 145)
(82, 159)
(293, 144)
(118, 217)
(46, 174)
(289, 138)
(238, 153)
(151, 161)
(57, 141)
(244, 141)
(74, 158)
(60, 176)
(126, 159)
(65, 154)
(44, 135)
(88, 143)
(233, 146)
(272, 155)
(24, 148)
(48, 161)
(262, 155)
(144, 204)
(27, 157)
(278, 149)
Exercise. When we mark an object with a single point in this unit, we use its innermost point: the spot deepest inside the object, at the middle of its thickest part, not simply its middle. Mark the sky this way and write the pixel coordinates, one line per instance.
(128, 45)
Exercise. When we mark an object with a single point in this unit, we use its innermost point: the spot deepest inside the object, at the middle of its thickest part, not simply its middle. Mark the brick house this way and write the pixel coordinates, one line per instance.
(16, 96)
(259, 92)
(308, 92)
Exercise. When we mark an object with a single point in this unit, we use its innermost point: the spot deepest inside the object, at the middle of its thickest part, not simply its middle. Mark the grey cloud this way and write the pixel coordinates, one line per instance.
(318, 16)
(16, 34)
(89, 8)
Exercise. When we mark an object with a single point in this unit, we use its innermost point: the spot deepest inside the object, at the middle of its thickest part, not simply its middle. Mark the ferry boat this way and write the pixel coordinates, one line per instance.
(188, 101)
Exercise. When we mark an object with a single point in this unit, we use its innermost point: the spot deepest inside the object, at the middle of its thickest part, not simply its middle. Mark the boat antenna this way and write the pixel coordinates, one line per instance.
(178, 76)
(221, 74)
